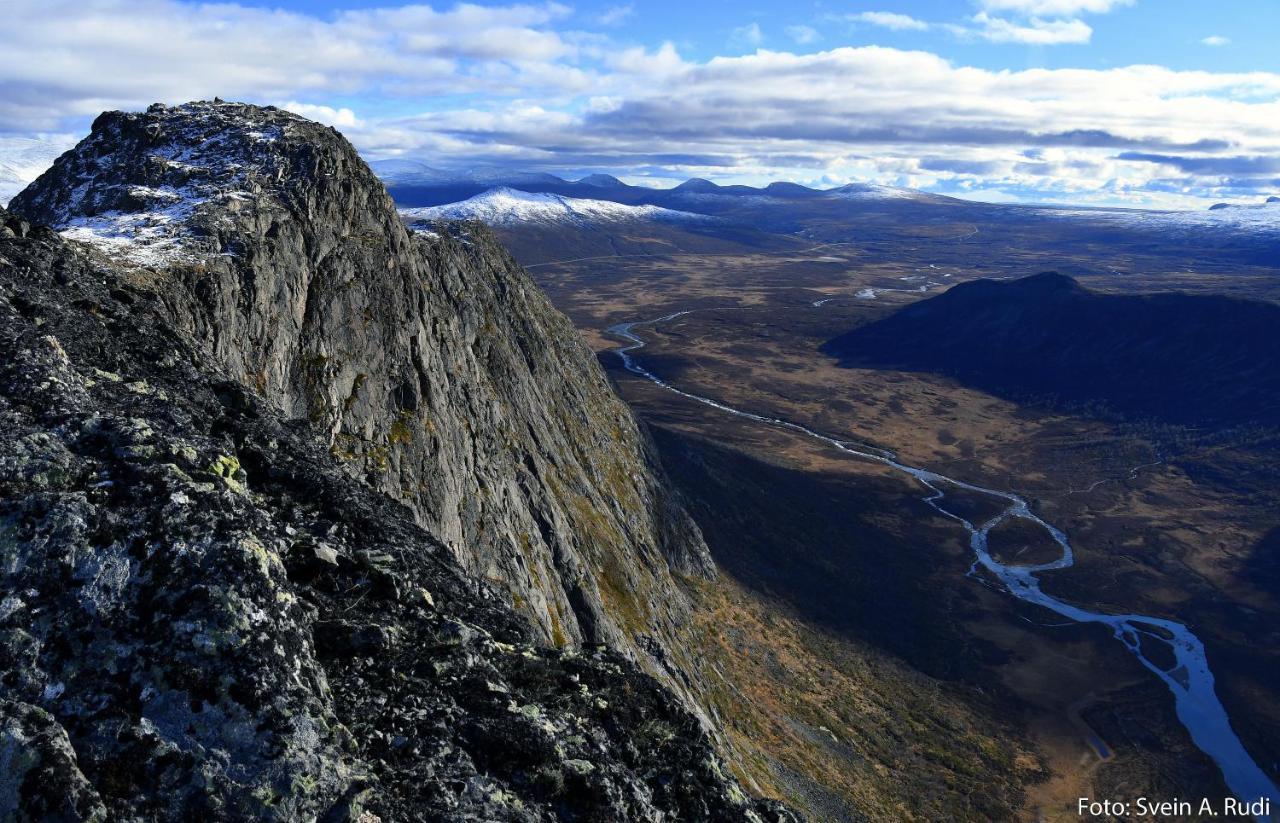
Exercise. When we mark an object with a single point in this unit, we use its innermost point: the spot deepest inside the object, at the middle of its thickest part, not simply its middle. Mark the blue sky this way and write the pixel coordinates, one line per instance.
(1161, 32)
(1167, 103)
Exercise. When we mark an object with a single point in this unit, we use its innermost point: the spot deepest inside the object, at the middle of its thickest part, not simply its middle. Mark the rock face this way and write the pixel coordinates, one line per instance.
(203, 615)
(430, 363)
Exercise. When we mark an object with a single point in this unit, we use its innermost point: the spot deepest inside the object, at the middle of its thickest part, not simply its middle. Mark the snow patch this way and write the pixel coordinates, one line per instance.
(147, 238)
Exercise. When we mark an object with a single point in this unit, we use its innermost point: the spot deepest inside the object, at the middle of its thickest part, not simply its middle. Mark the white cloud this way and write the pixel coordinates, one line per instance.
(886, 112)
(1216, 40)
(323, 114)
(1035, 22)
(748, 35)
(1052, 8)
(616, 15)
(62, 58)
(1034, 32)
(890, 20)
(658, 65)
(803, 34)
(476, 86)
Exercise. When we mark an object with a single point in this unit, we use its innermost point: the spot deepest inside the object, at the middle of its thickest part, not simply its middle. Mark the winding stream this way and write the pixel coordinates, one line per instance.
(1189, 679)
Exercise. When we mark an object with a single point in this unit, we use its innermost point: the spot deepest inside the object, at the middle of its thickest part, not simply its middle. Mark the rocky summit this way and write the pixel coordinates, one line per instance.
(304, 516)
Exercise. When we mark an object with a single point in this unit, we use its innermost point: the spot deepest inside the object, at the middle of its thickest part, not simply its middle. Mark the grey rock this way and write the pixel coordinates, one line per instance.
(211, 591)
(432, 365)
(38, 770)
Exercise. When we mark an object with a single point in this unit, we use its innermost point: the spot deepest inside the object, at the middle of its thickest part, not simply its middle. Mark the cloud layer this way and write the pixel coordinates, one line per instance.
(536, 86)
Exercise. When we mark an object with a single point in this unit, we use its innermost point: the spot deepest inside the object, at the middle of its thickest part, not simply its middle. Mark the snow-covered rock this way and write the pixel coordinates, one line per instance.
(158, 188)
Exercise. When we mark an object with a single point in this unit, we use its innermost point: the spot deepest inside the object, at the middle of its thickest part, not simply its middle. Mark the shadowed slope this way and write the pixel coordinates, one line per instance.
(1191, 360)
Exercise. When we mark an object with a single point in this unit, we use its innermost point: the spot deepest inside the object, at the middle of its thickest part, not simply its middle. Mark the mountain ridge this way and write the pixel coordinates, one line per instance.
(433, 367)
(435, 187)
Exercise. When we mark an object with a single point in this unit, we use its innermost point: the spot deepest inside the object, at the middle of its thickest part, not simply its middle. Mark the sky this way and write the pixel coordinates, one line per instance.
(1145, 103)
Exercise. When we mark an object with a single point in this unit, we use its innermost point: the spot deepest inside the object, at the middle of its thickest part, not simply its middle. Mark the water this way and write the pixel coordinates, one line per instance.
(1189, 679)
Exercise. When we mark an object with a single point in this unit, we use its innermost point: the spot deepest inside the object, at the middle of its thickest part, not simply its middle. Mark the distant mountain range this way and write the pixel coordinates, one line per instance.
(1249, 233)
(417, 185)
(1190, 360)
(1246, 218)
(751, 218)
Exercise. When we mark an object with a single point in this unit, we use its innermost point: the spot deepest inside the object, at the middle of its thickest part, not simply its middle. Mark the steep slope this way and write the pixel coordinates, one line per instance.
(432, 366)
(1190, 360)
(203, 616)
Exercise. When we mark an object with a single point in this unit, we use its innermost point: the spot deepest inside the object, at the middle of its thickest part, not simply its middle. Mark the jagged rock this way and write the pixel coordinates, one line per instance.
(38, 771)
(160, 659)
(432, 365)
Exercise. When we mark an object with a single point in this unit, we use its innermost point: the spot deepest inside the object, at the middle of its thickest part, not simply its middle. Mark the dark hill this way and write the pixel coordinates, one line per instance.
(604, 181)
(1178, 358)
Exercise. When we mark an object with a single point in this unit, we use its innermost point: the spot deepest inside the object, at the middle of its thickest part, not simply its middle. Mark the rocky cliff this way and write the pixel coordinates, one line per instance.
(429, 362)
(204, 615)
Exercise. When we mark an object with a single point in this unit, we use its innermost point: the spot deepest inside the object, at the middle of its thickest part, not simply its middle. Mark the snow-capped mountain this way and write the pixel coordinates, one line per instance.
(1251, 218)
(396, 170)
(875, 191)
(504, 206)
(23, 160)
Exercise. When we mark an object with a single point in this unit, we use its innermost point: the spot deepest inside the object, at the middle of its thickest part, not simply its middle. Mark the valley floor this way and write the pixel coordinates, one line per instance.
(831, 559)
